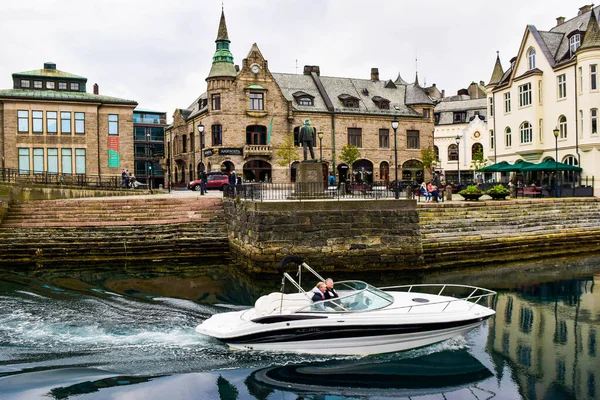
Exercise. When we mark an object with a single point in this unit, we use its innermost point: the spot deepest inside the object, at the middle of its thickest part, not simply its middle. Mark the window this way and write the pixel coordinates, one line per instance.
(216, 101)
(594, 77)
(491, 106)
(62, 85)
(540, 98)
(305, 101)
(383, 105)
(507, 102)
(37, 119)
(38, 161)
(51, 122)
(507, 137)
(531, 58)
(594, 120)
(25, 83)
(113, 124)
(355, 136)
(526, 132)
(525, 319)
(562, 127)
(492, 139)
(65, 123)
(384, 138)
(79, 122)
(23, 161)
(38, 84)
(459, 117)
(412, 140)
(574, 43)
(453, 152)
(426, 112)
(580, 72)
(562, 86)
(80, 161)
(52, 161)
(184, 148)
(257, 101)
(525, 95)
(257, 134)
(436, 118)
(580, 123)
(476, 151)
(541, 130)
(217, 135)
(74, 86)
(23, 121)
(67, 161)
(50, 85)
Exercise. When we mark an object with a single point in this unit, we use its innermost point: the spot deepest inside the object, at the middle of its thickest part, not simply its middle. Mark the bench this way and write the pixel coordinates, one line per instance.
(441, 193)
(534, 191)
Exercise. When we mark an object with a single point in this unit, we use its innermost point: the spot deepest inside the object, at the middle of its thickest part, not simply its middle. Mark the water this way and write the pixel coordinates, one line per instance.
(127, 332)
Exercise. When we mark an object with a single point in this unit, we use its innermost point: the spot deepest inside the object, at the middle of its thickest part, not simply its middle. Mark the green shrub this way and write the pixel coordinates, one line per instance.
(472, 189)
(499, 190)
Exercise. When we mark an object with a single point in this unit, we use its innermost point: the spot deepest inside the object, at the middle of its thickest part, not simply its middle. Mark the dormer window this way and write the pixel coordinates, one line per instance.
(382, 104)
(304, 99)
(25, 83)
(74, 86)
(37, 84)
(531, 57)
(574, 43)
(348, 101)
(459, 117)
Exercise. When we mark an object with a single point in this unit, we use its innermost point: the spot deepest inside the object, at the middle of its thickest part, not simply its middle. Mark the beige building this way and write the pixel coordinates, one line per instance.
(49, 124)
(552, 83)
(248, 113)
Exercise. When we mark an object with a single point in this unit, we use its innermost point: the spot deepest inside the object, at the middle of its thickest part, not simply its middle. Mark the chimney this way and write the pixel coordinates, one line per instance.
(375, 74)
(443, 92)
(96, 89)
(308, 69)
(560, 21)
(481, 83)
(50, 66)
(584, 9)
(237, 68)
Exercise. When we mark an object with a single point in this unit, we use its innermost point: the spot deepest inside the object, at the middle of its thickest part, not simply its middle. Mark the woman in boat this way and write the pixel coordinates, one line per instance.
(319, 292)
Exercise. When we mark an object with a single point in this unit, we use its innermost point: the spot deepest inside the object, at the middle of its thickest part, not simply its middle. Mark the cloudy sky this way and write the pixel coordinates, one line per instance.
(159, 52)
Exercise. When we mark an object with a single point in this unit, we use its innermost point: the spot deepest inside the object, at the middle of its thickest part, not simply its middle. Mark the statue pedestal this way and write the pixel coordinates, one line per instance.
(309, 181)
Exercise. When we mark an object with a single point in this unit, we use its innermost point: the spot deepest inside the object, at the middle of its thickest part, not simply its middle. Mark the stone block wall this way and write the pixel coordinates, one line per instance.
(345, 235)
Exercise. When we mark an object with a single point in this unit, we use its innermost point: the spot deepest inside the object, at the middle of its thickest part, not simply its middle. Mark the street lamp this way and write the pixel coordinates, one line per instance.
(556, 131)
(201, 132)
(320, 134)
(457, 139)
(395, 128)
(151, 161)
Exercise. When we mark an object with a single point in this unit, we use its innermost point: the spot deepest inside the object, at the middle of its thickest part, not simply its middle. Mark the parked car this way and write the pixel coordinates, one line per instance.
(212, 182)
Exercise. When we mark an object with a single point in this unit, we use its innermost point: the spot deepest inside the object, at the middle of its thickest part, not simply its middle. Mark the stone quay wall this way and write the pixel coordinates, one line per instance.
(342, 235)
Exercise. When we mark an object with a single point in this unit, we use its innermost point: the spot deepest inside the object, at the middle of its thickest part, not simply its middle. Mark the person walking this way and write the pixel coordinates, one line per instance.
(204, 179)
(232, 178)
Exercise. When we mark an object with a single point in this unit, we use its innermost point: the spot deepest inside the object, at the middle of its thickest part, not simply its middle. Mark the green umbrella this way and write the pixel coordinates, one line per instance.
(494, 167)
(516, 167)
(551, 165)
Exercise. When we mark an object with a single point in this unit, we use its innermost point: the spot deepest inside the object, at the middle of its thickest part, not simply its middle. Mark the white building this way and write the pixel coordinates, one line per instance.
(552, 82)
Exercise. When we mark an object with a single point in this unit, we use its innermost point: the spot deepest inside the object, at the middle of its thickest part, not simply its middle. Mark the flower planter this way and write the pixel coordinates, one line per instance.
(497, 196)
(471, 196)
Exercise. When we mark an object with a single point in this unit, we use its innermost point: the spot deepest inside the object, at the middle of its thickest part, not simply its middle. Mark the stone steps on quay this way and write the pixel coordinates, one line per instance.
(506, 225)
(100, 219)
(465, 213)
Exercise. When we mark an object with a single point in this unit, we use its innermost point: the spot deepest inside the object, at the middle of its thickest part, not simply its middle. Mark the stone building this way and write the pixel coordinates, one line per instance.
(149, 141)
(50, 124)
(249, 115)
(552, 83)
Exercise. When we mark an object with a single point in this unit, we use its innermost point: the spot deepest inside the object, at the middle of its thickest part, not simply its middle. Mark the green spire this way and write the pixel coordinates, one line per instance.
(223, 59)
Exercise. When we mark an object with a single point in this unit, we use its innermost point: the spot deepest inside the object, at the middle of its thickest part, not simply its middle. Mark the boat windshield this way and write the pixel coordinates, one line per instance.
(354, 296)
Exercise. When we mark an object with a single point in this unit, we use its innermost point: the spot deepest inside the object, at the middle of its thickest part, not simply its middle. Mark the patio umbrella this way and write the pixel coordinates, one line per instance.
(551, 165)
(494, 167)
(517, 167)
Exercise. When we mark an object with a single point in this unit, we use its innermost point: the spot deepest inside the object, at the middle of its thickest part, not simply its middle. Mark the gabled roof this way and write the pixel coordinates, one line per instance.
(592, 35)
(49, 73)
(416, 95)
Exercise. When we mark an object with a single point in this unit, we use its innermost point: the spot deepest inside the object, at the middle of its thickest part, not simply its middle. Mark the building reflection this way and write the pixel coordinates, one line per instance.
(547, 336)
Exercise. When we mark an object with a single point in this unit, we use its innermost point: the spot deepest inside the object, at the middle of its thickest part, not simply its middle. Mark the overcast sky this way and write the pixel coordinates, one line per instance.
(159, 52)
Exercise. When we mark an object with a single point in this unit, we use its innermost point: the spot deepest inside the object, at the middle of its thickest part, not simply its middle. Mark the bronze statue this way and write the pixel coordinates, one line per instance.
(306, 137)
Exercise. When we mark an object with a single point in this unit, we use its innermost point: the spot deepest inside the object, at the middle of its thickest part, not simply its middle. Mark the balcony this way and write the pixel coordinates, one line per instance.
(251, 150)
(141, 120)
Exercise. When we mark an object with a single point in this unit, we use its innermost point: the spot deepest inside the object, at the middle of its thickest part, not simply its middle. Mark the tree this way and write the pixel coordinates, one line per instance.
(350, 153)
(478, 161)
(287, 153)
(429, 158)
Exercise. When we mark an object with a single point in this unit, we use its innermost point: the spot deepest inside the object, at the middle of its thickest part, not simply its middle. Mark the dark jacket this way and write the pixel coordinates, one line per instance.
(318, 297)
(331, 294)
(232, 179)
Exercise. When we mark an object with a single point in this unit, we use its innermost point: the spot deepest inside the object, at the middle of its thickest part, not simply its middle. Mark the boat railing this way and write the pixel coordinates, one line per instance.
(475, 296)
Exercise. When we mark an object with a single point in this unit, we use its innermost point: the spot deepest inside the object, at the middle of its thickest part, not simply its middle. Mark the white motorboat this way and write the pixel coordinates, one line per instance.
(363, 320)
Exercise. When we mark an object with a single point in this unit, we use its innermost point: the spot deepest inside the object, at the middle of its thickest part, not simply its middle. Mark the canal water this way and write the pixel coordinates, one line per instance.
(127, 332)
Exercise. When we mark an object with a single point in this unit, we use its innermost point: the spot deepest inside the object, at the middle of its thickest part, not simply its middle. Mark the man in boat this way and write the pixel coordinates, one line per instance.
(319, 292)
(330, 292)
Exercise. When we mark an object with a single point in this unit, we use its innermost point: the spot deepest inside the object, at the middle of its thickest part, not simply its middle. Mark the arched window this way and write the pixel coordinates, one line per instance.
(526, 132)
(477, 151)
(384, 171)
(507, 137)
(453, 152)
(531, 58)
(571, 160)
(570, 176)
(436, 151)
(562, 127)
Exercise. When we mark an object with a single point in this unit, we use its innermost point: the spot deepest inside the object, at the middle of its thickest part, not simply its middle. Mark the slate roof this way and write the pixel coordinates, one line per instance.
(447, 108)
(289, 84)
(194, 108)
(592, 36)
(416, 95)
(28, 94)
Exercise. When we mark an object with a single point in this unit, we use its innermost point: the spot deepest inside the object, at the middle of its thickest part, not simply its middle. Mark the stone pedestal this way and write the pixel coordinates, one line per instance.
(448, 194)
(309, 181)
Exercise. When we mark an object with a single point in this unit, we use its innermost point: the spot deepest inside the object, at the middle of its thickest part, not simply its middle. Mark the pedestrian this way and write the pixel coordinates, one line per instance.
(204, 179)
(124, 178)
(232, 178)
(331, 179)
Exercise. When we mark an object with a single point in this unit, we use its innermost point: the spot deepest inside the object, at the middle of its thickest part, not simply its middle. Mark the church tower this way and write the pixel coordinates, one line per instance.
(222, 72)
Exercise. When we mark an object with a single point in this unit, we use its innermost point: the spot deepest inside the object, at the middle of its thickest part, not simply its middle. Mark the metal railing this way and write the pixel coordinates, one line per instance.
(313, 191)
(11, 175)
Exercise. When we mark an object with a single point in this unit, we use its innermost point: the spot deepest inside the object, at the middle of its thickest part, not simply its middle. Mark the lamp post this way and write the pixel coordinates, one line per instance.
(556, 132)
(320, 134)
(395, 128)
(457, 139)
(150, 148)
(201, 132)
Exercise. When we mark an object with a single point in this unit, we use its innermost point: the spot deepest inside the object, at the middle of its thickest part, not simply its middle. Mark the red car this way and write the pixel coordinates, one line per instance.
(213, 182)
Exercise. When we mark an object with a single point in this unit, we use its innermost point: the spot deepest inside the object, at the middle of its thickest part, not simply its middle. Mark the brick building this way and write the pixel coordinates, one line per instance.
(248, 113)
(50, 124)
